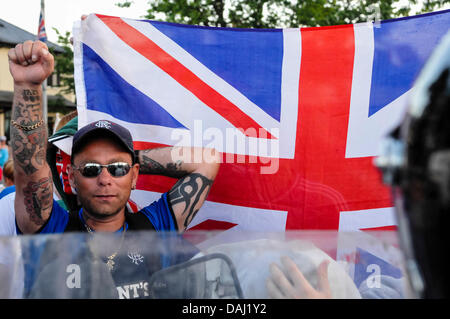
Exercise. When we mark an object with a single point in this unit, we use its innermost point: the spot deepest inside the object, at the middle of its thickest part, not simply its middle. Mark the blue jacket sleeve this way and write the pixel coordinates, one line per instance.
(160, 215)
(58, 220)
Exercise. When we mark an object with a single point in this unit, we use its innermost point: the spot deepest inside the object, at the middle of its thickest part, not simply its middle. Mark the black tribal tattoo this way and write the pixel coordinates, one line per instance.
(188, 191)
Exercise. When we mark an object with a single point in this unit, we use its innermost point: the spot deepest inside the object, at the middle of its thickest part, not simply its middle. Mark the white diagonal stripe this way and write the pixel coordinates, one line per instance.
(163, 89)
(365, 133)
(205, 74)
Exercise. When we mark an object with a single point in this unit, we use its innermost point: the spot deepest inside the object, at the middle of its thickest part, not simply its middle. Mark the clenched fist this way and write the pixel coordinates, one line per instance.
(30, 63)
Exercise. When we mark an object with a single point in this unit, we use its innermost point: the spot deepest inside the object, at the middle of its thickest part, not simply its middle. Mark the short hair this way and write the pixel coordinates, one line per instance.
(8, 169)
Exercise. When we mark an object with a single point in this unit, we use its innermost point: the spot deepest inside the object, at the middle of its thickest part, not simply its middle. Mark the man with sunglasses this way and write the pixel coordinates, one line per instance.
(104, 167)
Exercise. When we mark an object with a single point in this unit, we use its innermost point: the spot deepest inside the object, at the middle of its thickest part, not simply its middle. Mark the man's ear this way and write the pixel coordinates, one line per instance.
(71, 177)
(135, 172)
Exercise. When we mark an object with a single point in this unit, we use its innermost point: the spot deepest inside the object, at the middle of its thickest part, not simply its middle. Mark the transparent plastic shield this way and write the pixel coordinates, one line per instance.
(203, 265)
(212, 277)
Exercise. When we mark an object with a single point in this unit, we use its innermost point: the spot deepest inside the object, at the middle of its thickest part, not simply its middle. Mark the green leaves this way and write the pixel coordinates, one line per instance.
(64, 63)
(282, 13)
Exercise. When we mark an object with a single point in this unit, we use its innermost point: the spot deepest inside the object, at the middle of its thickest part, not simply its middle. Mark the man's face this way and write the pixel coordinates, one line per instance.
(103, 196)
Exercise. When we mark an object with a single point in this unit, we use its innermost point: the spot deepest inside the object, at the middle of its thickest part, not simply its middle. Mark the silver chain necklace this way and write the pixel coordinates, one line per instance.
(110, 259)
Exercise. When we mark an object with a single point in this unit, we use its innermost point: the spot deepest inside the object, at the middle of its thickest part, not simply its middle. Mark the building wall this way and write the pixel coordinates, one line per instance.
(6, 84)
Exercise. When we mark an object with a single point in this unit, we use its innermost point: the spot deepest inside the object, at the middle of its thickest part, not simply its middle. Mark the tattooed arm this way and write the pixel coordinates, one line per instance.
(195, 168)
(30, 64)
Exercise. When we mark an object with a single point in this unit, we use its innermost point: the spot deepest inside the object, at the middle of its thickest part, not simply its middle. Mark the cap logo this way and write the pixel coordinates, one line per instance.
(103, 124)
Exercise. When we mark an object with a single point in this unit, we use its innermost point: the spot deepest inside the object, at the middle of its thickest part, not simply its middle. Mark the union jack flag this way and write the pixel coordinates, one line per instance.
(42, 34)
(297, 113)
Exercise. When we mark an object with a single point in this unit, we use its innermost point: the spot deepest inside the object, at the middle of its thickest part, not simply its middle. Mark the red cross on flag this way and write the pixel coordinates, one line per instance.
(298, 114)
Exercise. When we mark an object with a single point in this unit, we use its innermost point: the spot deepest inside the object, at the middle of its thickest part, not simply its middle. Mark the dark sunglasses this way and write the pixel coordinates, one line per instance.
(94, 169)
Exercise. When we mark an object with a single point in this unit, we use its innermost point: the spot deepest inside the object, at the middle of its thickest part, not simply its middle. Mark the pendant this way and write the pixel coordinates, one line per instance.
(110, 264)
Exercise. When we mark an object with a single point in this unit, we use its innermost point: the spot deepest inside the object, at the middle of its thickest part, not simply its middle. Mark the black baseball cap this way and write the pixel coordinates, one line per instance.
(120, 133)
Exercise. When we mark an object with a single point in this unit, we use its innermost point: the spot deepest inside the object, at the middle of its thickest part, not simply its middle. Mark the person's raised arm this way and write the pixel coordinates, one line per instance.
(196, 169)
(30, 63)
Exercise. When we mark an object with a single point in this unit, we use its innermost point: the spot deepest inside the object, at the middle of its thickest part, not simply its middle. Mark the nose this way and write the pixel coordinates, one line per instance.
(105, 177)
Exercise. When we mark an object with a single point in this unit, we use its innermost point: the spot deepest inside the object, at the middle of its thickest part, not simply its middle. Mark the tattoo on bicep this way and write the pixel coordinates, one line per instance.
(188, 191)
(38, 198)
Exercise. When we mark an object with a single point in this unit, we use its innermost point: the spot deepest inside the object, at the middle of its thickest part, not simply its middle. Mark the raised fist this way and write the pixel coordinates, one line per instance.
(30, 62)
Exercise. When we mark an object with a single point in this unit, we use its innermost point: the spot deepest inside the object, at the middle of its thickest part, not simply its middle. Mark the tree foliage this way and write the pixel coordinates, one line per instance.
(282, 13)
(64, 63)
(259, 14)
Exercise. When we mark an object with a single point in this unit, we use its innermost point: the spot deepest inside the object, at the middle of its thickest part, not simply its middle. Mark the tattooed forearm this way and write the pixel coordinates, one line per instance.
(26, 113)
(28, 149)
(38, 198)
(150, 166)
(31, 95)
(188, 192)
(28, 146)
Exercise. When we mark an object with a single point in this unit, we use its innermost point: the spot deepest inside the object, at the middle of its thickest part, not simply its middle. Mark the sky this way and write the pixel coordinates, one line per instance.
(61, 14)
